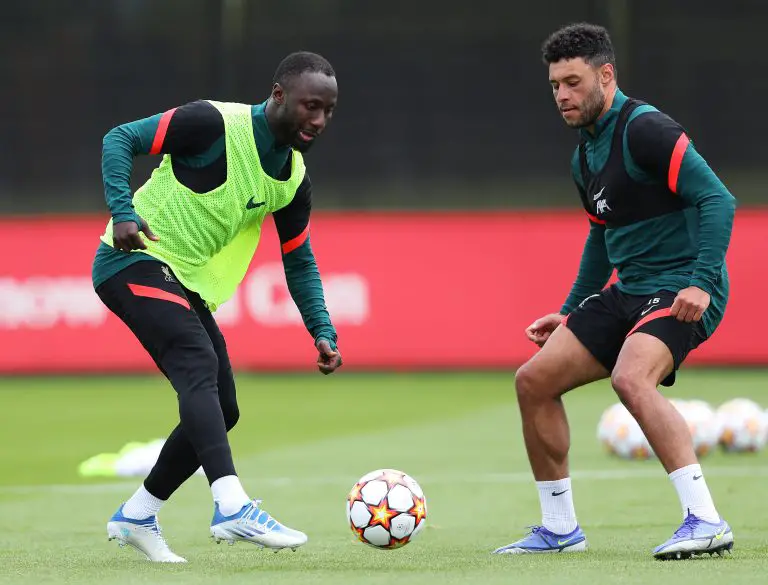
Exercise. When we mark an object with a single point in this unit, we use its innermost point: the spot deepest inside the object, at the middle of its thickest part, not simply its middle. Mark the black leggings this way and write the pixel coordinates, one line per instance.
(179, 332)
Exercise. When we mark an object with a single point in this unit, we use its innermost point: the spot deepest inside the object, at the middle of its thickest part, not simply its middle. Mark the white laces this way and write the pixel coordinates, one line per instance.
(156, 531)
(255, 515)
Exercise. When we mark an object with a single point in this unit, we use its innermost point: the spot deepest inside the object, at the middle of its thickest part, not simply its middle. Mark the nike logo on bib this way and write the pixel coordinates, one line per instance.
(253, 205)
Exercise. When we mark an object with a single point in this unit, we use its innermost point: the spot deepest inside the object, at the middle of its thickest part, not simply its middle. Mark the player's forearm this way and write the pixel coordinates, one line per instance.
(699, 185)
(716, 213)
(119, 147)
(306, 289)
(594, 270)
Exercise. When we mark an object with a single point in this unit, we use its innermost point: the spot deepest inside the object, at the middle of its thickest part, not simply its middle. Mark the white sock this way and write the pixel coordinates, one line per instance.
(557, 512)
(142, 505)
(694, 494)
(229, 494)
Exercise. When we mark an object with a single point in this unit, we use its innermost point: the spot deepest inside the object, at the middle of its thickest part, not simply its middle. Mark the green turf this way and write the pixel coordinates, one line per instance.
(301, 443)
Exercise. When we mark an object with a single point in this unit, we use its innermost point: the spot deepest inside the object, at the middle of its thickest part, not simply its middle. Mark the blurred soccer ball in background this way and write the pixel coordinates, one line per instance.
(620, 434)
(702, 423)
(743, 424)
(739, 425)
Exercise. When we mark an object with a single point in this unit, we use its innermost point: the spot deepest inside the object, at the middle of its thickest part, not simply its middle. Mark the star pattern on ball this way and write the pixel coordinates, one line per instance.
(354, 495)
(358, 532)
(419, 510)
(382, 515)
(398, 542)
(392, 478)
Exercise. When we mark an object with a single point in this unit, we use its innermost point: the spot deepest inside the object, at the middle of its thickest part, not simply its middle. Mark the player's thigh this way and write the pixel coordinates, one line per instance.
(600, 323)
(643, 362)
(225, 375)
(656, 347)
(562, 364)
(154, 306)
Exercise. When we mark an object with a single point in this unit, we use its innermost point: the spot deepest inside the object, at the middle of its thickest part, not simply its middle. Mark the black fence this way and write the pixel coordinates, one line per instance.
(442, 104)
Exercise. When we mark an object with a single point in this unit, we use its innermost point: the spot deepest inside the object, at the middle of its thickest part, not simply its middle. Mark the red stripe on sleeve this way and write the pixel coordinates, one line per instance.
(595, 219)
(162, 130)
(677, 160)
(157, 293)
(291, 245)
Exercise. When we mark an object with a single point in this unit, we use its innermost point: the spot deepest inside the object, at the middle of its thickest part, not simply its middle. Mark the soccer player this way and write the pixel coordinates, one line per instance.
(660, 217)
(180, 246)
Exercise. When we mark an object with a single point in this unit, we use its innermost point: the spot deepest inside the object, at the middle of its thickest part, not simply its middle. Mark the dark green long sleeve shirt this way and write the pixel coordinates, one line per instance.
(193, 134)
(689, 245)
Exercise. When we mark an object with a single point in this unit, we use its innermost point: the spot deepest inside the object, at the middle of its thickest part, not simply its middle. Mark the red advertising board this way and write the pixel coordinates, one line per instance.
(406, 291)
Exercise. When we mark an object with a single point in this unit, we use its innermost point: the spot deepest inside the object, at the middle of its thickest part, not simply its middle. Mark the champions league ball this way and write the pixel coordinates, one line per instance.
(704, 425)
(739, 425)
(386, 509)
(620, 434)
(743, 426)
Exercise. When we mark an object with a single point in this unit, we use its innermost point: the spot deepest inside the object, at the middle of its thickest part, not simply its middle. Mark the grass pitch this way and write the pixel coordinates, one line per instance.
(303, 440)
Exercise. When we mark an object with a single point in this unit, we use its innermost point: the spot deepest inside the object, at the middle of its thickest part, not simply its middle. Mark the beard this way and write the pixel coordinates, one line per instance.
(590, 109)
(287, 134)
(301, 145)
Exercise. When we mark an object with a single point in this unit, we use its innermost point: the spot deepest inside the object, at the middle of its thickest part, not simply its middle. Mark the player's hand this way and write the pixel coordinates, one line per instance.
(328, 361)
(690, 304)
(125, 235)
(540, 330)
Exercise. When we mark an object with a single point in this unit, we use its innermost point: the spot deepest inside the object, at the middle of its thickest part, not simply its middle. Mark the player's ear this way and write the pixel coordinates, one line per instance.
(278, 94)
(606, 73)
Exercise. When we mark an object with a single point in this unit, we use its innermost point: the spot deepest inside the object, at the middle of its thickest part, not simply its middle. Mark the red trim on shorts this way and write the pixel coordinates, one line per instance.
(157, 293)
(565, 319)
(658, 314)
(677, 160)
(291, 245)
(162, 130)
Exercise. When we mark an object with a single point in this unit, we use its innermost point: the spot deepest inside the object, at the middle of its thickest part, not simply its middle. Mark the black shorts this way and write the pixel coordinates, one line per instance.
(180, 334)
(603, 321)
(171, 322)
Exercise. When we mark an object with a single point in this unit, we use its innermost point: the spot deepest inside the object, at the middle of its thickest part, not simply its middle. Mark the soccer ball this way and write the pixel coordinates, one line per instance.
(606, 427)
(386, 509)
(743, 425)
(620, 434)
(703, 423)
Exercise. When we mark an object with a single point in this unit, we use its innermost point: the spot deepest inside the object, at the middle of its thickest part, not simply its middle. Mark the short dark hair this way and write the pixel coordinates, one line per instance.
(591, 42)
(301, 62)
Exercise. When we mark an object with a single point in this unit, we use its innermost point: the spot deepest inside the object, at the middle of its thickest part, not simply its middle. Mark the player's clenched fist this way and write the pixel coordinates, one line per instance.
(690, 304)
(328, 360)
(540, 330)
(125, 235)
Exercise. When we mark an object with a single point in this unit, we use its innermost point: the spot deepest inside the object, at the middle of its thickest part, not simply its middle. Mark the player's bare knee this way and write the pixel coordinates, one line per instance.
(629, 387)
(529, 383)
